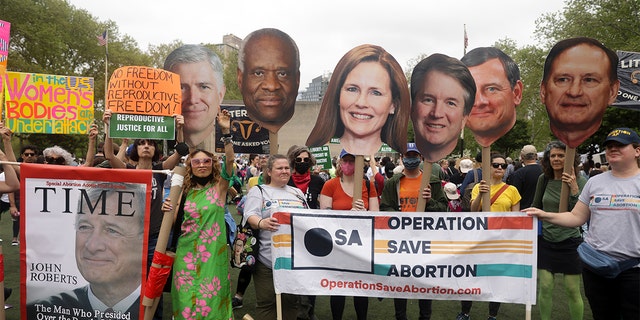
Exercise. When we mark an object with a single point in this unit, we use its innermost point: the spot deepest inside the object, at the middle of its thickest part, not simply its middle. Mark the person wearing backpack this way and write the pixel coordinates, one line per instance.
(503, 198)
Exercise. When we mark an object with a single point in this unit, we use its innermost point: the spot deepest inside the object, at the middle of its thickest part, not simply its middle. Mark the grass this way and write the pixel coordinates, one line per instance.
(378, 309)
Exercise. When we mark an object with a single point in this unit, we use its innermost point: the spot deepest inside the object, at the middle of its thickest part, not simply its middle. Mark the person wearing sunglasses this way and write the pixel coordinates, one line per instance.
(301, 160)
(29, 154)
(201, 252)
(57, 155)
(503, 198)
(557, 245)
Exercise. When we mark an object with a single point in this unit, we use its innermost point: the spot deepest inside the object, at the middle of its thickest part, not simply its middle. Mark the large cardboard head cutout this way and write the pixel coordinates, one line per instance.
(269, 77)
(366, 103)
(499, 91)
(442, 95)
(579, 82)
(203, 90)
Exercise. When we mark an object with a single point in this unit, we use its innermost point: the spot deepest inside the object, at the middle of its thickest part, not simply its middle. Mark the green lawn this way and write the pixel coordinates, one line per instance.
(377, 309)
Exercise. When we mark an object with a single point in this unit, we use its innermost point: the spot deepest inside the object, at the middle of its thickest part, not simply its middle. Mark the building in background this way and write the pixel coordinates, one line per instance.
(230, 43)
(316, 89)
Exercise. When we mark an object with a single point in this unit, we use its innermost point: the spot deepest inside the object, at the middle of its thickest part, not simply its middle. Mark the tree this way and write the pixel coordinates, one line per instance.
(54, 37)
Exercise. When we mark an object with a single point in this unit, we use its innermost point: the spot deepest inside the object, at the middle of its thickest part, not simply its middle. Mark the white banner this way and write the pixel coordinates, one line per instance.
(483, 256)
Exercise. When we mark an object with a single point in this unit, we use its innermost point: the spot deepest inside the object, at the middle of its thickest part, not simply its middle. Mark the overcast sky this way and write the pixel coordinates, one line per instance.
(325, 30)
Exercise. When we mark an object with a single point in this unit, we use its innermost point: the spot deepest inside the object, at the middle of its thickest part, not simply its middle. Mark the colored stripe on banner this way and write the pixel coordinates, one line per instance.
(506, 270)
(283, 217)
(283, 264)
(502, 223)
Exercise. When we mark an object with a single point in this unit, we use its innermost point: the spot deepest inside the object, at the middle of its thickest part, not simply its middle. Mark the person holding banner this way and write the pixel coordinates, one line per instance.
(503, 198)
(337, 194)
(401, 193)
(269, 76)
(557, 245)
(301, 159)
(203, 90)
(262, 201)
(610, 202)
(201, 286)
(366, 103)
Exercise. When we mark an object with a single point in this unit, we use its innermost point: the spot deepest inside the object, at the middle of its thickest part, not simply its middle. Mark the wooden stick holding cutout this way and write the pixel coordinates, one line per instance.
(163, 259)
(273, 143)
(486, 176)
(358, 175)
(568, 168)
(424, 182)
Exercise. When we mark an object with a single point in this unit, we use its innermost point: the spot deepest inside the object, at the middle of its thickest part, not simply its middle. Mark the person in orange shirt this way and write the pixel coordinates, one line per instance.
(401, 193)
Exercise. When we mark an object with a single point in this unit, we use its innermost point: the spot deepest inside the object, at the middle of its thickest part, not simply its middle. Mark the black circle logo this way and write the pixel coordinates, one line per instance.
(318, 242)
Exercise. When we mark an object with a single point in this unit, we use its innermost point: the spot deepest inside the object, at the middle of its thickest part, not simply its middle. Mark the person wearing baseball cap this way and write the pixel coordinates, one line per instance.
(400, 193)
(337, 194)
(610, 202)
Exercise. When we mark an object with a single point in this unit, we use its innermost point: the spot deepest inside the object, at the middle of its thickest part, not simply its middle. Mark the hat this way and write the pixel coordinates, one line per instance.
(412, 147)
(345, 153)
(528, 149)
(622, 135)
(451, 191)
(466, 165)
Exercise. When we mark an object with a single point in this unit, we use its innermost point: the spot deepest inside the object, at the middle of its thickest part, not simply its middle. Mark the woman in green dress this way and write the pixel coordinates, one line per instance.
(201, 286)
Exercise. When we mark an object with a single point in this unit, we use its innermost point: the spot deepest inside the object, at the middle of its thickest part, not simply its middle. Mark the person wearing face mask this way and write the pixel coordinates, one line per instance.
(337, 194)
(401, 193)
(301, 160)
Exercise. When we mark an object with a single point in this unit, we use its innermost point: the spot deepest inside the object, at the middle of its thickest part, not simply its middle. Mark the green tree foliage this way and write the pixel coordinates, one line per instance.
(513, 140)
(54, 37)
(158, 53)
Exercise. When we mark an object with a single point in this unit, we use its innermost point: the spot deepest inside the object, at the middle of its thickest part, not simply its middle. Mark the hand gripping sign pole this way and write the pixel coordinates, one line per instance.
(162, 259)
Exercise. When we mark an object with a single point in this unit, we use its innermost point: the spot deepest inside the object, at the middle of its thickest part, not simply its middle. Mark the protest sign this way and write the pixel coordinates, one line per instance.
(136, 126)
(5, 27)
(442, 256)
(247, 135)
(96, 223)
(144, 90)
(43, 103)
(323, 156)
(629, 76)
(143, 101)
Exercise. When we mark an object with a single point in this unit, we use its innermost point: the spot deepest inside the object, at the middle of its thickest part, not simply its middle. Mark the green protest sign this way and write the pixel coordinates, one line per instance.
(322, 155)
(137, 126)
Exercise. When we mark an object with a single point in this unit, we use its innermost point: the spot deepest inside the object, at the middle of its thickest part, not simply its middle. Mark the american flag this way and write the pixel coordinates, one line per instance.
(466, 39)
(102, 39)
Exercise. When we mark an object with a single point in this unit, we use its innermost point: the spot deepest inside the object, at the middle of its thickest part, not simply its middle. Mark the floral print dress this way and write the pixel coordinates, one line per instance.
(201, 285)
